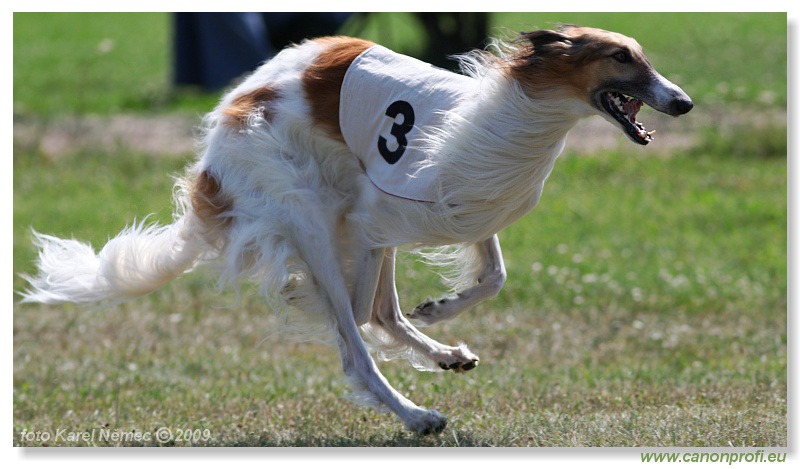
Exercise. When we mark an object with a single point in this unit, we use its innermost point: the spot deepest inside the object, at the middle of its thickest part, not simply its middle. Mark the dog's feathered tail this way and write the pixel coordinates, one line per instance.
(139, 260)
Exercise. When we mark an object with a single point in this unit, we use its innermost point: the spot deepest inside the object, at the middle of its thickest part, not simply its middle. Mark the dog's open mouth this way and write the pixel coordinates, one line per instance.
(623, 109)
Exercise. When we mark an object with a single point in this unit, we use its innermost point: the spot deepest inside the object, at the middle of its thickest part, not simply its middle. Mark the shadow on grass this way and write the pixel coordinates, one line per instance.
(398, 439)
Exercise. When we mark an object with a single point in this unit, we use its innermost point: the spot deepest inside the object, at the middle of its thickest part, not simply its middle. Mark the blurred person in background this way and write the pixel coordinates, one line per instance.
(211, 50)
(214, 49)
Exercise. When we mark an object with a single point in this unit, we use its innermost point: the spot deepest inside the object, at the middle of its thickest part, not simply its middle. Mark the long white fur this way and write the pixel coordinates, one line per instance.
(310, 228)
(139, 260)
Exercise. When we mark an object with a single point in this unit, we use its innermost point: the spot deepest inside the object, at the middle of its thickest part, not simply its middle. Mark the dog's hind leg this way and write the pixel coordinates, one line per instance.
(388, 319)
(489, 277)
(315, 242)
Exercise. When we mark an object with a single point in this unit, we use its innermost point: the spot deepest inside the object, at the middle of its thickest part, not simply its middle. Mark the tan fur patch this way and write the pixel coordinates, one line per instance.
(246, 105)
(322, 80)
(208, 201)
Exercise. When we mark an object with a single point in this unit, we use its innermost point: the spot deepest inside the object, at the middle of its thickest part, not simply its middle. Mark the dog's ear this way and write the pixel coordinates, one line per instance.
(544, 41)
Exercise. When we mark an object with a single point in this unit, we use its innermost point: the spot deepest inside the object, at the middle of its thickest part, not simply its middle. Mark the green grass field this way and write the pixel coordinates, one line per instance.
(646, 304)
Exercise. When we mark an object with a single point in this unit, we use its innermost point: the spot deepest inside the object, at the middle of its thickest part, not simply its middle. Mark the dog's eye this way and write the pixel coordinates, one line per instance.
(622, 57)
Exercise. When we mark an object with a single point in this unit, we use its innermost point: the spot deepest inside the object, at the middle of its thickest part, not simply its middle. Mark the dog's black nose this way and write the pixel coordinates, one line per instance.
(681, 106)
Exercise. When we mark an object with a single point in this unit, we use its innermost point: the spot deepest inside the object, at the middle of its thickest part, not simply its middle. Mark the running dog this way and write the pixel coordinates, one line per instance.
(337, 152)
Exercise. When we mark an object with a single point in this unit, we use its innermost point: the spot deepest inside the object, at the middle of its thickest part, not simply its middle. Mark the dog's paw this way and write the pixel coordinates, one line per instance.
(459, 367)
(458, 359)
(428, 312)
(428, 422)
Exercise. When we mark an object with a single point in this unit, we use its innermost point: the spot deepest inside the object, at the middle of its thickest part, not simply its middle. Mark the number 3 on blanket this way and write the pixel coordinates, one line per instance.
(399, 131)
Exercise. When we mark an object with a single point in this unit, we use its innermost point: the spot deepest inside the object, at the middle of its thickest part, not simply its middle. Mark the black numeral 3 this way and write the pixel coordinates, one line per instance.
(398, 131)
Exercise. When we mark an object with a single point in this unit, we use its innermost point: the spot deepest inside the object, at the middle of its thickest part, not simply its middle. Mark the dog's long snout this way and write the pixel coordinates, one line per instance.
(668, 97)
(681, 105)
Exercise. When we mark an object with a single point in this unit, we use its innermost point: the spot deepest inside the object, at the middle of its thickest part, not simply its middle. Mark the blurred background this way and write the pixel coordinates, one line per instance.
(646, 300)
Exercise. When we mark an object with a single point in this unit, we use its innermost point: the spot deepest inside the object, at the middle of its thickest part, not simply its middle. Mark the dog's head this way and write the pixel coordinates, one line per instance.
(606, 71)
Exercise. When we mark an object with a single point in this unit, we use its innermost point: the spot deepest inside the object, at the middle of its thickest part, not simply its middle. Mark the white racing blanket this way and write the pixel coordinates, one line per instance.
(388, 103)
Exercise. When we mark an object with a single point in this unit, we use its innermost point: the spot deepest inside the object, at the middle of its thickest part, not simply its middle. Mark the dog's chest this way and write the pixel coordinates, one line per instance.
(390, 105)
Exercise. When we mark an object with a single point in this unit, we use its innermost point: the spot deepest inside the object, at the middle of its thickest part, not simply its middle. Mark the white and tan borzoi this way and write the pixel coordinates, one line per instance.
(287, 194)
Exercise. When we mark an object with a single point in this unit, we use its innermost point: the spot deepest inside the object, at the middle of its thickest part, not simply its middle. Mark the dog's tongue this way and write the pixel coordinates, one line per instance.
(632, 107)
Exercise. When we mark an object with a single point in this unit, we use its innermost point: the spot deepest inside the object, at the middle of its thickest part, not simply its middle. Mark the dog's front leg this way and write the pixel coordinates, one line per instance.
(427, 353)
(490, 279)
(366, 275)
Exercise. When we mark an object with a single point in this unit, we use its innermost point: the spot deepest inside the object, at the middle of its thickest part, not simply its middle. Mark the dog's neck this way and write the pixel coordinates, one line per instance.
(498, 152)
